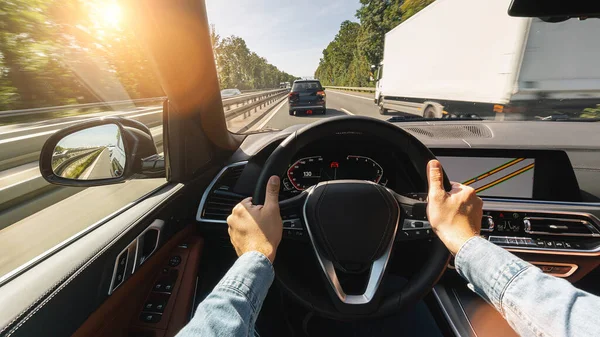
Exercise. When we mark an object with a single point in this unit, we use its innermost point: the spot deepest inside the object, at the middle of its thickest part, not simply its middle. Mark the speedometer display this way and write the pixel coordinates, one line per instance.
(309, 171)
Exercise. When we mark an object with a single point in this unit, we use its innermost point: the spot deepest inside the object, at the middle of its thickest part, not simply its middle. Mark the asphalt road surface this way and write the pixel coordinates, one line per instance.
(339, 103)
(100, 168)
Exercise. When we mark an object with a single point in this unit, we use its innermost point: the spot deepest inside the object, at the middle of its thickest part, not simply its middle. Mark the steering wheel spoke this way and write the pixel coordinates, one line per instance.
(415, 225)
(294, 225)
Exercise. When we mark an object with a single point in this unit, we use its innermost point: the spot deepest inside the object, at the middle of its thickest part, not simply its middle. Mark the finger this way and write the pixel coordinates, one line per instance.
(435, 179)
(272, 197)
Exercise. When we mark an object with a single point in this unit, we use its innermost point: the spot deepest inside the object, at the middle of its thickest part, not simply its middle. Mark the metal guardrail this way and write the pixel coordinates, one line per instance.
(248, 102)
(34, 111)
(111, 104)
(363, 89)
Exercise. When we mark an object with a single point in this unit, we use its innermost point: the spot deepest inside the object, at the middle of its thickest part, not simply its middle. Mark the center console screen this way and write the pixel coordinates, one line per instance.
(493, 177)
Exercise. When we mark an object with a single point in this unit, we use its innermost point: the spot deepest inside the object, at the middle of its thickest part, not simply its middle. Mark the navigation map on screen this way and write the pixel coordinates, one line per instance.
(492, 177)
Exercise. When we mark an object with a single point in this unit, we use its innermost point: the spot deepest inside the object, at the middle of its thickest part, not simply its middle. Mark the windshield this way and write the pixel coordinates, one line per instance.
(441, 62)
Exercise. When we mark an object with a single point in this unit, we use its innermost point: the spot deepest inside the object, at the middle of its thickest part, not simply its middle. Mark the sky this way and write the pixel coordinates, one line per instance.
(103, 135)
(290, 34)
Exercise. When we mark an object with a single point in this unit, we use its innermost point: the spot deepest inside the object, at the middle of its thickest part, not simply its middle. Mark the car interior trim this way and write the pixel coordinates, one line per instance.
(36, 286)
(462, 310)
(573, 267)
(156, 225)
(579, 252)
(449, 319)
(31, 263)
(549, 202)
(377, 268)
(208, 190)
(587, 224)
(130, 251)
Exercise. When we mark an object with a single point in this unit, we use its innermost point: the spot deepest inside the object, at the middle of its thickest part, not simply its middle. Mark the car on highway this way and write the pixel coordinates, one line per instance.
(122, 158)
(307, 96)
(226, 93)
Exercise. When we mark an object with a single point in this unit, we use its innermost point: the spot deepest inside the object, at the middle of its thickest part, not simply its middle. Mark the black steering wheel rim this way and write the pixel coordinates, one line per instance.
(277, 163)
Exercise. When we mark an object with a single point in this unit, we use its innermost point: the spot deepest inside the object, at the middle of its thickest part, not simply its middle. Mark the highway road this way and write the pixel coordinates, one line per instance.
(338, 104)
(100, 168)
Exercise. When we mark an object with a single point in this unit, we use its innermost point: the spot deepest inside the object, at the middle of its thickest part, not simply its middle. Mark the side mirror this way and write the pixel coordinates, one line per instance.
(100, 152)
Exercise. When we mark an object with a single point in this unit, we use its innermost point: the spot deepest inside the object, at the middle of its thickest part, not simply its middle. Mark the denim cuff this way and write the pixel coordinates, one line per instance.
(250, 276)
(490, 269)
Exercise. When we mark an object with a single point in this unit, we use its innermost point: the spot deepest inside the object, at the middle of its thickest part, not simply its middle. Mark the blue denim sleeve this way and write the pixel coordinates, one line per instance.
(232, 307)
(533, 303)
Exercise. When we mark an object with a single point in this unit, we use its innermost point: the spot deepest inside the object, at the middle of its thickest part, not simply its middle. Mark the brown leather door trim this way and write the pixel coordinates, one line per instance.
(116, 315)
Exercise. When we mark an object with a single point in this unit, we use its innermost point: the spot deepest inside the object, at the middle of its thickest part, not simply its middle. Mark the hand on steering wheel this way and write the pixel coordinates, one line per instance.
(257, 227)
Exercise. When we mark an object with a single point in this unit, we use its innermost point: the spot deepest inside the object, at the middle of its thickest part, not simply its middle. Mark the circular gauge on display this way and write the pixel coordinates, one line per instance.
(309, 171)
(305, 172)
(360, 168)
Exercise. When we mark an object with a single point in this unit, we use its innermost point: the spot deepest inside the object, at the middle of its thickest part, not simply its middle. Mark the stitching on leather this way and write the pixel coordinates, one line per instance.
(70, 277)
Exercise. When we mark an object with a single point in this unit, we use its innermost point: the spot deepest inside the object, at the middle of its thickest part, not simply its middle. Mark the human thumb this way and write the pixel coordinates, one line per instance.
(272, 196)
(435, 179)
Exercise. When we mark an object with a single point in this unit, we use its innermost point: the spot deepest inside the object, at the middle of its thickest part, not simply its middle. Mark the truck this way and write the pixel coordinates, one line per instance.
(468, 57)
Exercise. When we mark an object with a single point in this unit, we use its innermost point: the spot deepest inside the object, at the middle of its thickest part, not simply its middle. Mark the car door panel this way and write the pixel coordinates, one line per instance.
(54, 297)
(119, 314)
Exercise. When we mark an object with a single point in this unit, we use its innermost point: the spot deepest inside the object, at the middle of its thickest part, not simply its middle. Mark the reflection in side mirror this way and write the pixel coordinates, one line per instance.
(90, 154)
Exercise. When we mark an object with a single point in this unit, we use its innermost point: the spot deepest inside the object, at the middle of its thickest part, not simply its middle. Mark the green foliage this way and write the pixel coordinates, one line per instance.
(363, 42)
(412, 7)
(591, 112)
(60, 52)
(240, 68)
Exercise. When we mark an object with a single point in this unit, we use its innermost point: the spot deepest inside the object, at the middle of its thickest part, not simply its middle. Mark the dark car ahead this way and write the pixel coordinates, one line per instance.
(307, 96)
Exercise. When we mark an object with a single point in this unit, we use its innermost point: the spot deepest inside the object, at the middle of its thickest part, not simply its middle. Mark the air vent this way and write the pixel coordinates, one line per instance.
(562, 227)
(219, 199)
(451, 131)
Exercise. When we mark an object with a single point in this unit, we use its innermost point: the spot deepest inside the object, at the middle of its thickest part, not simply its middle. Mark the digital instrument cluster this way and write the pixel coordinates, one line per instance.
(308, 171)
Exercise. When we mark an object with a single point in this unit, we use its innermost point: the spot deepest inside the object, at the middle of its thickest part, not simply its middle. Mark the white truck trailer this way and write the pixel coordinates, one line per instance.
(469, 57)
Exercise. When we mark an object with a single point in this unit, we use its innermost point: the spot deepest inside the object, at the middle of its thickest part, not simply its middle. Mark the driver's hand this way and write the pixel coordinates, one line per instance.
(257, 227)
(456, 215)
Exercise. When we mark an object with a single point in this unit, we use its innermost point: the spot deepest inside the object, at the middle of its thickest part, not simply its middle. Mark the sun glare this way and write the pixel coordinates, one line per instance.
(110, 14)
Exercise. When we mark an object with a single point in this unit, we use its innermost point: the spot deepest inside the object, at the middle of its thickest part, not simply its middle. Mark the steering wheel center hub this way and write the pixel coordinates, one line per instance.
(352, 222)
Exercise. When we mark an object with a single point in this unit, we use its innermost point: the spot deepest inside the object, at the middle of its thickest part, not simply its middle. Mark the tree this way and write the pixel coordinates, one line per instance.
(376, 18)
(348, 58)
(412, 7)
(334, 66)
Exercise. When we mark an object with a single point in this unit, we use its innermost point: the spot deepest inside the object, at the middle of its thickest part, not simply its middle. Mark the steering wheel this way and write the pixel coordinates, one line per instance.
(354, 225)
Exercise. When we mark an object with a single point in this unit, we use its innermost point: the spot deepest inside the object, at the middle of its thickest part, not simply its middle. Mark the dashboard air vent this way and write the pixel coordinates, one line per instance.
(219, 201)
(557, 226)
(451, 131)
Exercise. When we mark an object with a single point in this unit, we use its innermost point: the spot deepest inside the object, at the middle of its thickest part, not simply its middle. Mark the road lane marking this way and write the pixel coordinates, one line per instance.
(9, 140)
(343, 93)
(346, 111)
(20, 172)
(270, 116)
(4, 188)
(83, 119)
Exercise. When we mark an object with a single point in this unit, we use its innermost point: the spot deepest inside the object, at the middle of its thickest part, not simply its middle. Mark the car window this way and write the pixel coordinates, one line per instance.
(537, 71)
(61, 63)
(304, 86)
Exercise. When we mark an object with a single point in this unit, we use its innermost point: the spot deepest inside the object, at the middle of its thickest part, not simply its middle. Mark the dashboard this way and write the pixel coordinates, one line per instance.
(357, 157)
(541, 202)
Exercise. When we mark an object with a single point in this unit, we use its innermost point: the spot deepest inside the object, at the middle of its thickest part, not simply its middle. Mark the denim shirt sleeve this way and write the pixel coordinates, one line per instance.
(533, 303)
(232, 307)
